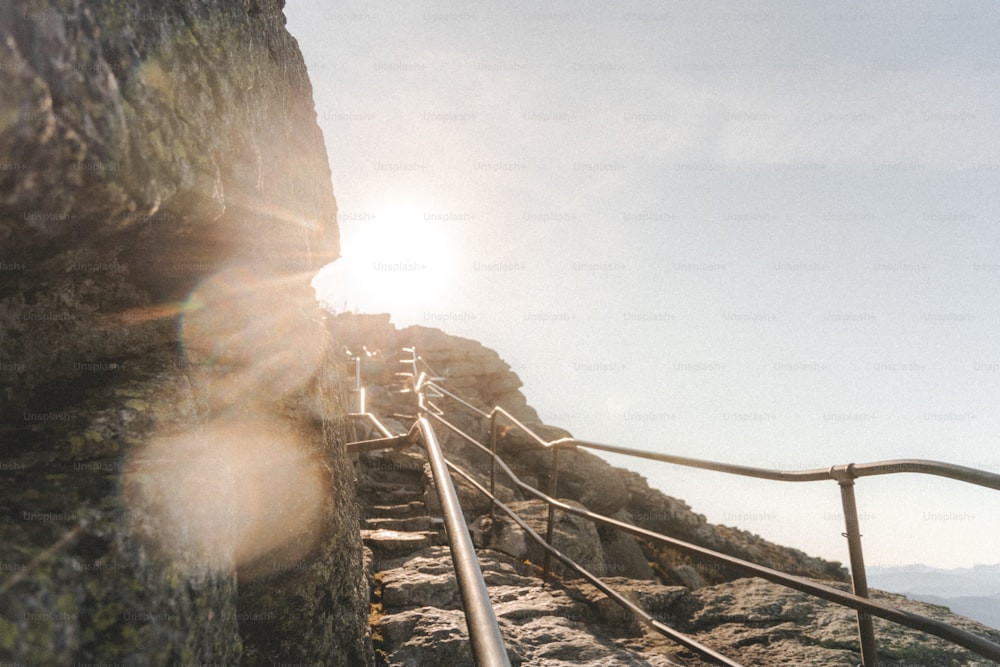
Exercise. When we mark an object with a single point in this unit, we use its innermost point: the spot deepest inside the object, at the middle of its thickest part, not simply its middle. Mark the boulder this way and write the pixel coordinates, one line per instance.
(573, 535)
(623, 557)
(583, 477)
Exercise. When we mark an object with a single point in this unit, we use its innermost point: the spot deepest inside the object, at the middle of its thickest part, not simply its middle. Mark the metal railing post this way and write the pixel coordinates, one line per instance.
(493, 462)
(859, 579)
(550, 525)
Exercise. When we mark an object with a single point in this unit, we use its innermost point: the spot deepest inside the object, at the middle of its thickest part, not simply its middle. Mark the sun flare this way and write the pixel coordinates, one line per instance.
(396, 260)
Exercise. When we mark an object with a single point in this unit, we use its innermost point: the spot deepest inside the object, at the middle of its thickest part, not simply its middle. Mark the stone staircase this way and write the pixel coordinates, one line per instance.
(416, 613)
(395, 522)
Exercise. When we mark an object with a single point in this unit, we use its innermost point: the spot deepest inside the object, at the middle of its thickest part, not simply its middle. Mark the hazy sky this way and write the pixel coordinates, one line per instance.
(760, 233)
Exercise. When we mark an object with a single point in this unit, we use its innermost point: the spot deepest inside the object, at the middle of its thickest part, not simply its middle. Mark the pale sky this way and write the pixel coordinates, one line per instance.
(765, 233)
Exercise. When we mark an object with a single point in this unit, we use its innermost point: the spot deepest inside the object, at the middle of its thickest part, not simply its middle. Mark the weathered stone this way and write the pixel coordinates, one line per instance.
(427, 635)
(515, 403)
(568, 622)
(473, 501)
(144, 163)
(574, 536)
(540, 625)
(656, 600)
(500, 534)
(498, 384)
(654, 510)
(761, 623)
(583, 476)
(164, 175)
(623, 557)
(688, 577)
(422, 581)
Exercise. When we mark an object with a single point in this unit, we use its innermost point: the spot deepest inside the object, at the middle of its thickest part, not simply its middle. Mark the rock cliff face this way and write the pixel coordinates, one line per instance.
(142, 147)
(174, 483)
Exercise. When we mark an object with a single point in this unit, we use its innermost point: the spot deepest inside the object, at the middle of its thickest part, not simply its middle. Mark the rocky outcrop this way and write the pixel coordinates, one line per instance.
(175, 487)
(652, 509)
(417, 618)
(466, 365)
(767, 624)
(752, 621)
(484, 380)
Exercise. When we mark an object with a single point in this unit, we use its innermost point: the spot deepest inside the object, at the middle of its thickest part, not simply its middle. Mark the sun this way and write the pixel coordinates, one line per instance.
(399, 235)
(397, 259)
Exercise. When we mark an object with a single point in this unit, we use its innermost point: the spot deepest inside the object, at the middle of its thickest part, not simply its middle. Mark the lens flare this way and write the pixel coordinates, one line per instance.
(243, 494)
(251, 337)
(243, 491)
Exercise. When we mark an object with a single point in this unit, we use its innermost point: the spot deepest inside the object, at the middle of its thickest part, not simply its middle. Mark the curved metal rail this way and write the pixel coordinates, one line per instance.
(484, 633)
(425, 385)
(958, 636)
(844, 475)
(837, 472)
(596, 581)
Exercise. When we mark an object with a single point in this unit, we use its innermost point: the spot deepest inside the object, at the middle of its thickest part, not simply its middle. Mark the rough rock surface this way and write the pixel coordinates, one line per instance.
(767, 624)
(142, 147)
(541, 625)
(165, 199)
(569, 622)
(571, 534)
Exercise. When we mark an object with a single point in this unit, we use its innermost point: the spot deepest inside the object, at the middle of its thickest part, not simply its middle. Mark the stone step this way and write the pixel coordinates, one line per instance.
(411, 523)
(422, 622)
(384, 542)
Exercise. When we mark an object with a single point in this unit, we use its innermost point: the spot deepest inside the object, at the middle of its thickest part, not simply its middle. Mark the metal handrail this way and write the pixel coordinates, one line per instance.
(484, 632)
(962, 637)
(844, 475)
(423, 384)
(596, 581)
(837, 472)
(546, 543)
(373, 421)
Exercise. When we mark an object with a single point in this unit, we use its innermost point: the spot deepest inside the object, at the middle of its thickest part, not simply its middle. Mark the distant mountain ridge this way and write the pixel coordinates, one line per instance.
(973, 592)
